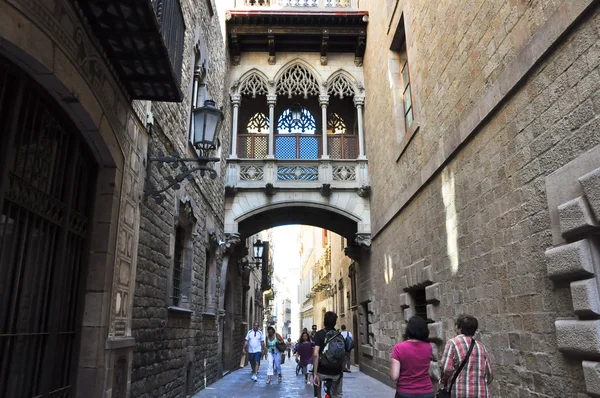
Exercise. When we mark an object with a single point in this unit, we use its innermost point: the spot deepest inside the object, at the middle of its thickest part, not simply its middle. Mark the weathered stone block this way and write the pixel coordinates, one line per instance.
(580, 338)
(405, 300)
(571, 262)
(586, 300)
(591, 373)
(576, 218)
(591, 186)
(432, 312)
(433, 293)
(436, 331)
(408, 312)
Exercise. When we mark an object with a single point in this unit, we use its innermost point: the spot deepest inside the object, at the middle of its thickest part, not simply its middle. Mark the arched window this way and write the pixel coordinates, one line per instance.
(305, 125)
(258, 124)
(336, 125)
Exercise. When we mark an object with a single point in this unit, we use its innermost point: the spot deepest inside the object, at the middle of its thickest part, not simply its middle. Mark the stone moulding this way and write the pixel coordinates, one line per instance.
(575, 259)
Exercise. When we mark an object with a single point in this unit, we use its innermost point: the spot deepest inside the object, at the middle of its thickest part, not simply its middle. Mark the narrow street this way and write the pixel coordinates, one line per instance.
(238, 384)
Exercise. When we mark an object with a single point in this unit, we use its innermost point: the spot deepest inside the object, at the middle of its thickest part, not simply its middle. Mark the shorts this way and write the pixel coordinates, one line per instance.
(254, 357)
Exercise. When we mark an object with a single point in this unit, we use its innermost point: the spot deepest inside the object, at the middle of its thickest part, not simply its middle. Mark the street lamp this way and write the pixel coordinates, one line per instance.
(296, 112)
(258, 251)
(206, 121)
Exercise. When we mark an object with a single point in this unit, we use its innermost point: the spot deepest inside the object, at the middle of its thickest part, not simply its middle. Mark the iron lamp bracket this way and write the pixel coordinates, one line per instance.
(186, 166)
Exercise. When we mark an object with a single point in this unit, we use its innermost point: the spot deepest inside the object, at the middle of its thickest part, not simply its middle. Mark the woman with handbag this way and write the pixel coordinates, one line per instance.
(275, 346)
(466, 368)
(409, 366)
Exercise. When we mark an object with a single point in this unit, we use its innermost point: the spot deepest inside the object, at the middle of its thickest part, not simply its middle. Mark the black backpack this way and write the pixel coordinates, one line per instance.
(333, 354)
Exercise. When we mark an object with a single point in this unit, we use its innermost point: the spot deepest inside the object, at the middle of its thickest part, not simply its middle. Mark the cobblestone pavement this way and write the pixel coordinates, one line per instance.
(238, 384)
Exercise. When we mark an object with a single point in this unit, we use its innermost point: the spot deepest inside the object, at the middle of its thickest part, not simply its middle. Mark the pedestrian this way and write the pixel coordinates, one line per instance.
(254, 346)
(288, 346)
(273, 356)
(466, 368)
(304, 352)
(409, 366)
(350, 344)
(313, 331)
(329, 356)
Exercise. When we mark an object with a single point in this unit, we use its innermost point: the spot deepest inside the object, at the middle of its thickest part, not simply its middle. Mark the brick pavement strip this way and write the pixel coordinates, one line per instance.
(238, 384)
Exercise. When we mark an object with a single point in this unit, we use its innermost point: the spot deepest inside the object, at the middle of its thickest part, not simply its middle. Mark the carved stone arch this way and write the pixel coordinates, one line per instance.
(342, 84)
(252, 83)
(298, 77)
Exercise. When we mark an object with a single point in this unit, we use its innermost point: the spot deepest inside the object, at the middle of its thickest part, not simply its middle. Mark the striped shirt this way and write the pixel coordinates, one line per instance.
(473, 380)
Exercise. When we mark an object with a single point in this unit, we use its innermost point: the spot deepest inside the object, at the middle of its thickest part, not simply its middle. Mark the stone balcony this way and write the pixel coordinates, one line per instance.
(293, 5)
(324, 176)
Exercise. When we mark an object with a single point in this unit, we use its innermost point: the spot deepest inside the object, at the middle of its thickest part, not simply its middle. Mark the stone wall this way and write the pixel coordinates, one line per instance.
(505, 93)
(178, 346)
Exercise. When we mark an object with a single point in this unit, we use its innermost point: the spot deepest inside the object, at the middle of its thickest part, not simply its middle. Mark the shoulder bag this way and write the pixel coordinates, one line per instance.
(448, 394)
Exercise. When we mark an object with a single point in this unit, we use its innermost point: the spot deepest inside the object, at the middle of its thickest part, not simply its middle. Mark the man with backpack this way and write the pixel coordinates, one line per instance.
(349, 346)
(329, 357)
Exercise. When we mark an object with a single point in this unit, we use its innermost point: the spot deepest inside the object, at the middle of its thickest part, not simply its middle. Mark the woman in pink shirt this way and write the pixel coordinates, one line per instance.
(410, 362)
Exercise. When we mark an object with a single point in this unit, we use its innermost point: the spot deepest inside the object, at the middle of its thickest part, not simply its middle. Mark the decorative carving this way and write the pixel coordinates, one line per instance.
(232, 240)
(253, 85)
(325, 190)
(297, 80)
(251, 173)
(298, 3)
(340, 86)
(338, 4)
(364, 191)
(297, 173)
(344, 173)
(213, 239)
(360, 48)
(269, 189)
(363, 240)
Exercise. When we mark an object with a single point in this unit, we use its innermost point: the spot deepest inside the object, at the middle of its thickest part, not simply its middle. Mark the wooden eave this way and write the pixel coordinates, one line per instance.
(296, 31)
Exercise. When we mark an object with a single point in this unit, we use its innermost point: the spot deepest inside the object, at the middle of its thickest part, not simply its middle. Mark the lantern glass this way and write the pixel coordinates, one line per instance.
(207, 120)
(296, 112)
(258, 249)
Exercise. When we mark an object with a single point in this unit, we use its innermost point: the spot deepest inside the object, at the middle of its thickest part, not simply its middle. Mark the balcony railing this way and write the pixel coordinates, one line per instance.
(144, 42)
(304, 4)
(297, 146)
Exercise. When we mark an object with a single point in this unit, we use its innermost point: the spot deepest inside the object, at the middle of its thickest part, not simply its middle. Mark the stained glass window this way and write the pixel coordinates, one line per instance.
(336, 125)
(258, 124)
(305, 125)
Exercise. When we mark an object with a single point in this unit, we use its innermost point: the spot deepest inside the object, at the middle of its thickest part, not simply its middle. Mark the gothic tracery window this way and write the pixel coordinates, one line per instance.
(258, 124)
(253, 85)
(297, 80)
(305, 125)
(340, 87)
(336, 125)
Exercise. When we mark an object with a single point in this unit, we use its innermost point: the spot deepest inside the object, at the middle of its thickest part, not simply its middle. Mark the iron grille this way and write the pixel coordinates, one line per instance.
(47, 178)
(172, 26)
(177, 265)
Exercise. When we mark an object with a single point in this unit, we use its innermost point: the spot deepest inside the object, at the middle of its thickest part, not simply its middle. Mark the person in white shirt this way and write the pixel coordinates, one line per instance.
(345, 334)
(255, 347)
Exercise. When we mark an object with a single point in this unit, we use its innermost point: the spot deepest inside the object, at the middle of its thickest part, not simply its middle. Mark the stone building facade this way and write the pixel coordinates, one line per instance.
(484, 189)
(105, 251)
(187, 301)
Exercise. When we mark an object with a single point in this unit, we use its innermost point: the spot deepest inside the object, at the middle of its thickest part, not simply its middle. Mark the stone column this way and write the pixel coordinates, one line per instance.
(271, 100)
(359, 102)
(324, 101)
(236, 99)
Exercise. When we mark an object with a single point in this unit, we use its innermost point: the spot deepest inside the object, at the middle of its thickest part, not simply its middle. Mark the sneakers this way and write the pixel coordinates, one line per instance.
(254, 378)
